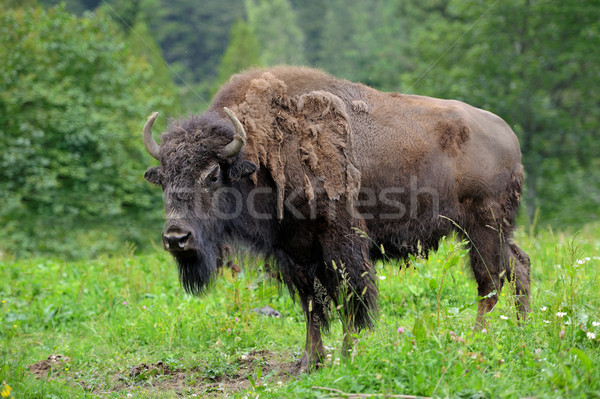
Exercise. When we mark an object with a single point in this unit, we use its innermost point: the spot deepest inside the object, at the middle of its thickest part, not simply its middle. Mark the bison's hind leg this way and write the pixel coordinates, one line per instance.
(518, 272)
(494, 257)
(485, 258)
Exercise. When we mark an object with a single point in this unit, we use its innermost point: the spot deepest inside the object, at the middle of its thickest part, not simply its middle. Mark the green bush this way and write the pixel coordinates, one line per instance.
(73, 99)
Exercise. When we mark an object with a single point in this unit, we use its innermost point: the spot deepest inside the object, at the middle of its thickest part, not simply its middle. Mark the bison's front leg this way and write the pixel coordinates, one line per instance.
(301, 279)
(314, 352)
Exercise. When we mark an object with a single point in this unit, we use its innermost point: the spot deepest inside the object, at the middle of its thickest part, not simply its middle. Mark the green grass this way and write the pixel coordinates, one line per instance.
(113, 315)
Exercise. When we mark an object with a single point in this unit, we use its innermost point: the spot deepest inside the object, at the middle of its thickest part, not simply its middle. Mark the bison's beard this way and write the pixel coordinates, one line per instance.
(196, 270)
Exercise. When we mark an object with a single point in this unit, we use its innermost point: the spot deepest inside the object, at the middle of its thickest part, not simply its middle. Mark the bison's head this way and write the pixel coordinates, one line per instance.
(200, 165)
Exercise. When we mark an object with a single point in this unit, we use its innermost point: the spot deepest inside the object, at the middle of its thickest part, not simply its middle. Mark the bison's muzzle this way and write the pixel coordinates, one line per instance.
(196, 259)
(176, 239)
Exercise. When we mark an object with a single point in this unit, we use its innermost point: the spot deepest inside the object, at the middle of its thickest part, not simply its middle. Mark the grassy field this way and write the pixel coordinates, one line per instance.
(122, 327)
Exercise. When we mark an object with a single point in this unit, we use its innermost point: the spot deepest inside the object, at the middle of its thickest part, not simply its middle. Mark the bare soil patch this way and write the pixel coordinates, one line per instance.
(273, 368)
(257, 367)
(51, 366)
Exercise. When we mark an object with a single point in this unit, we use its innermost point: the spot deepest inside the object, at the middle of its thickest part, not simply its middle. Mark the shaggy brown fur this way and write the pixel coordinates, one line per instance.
(305, 140)
(337, 169)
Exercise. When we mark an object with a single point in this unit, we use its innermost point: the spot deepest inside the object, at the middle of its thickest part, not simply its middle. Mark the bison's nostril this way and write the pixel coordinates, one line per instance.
(175, 241)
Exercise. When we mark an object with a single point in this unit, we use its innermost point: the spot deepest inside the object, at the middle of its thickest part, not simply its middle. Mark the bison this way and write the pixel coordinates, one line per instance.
(323, 177)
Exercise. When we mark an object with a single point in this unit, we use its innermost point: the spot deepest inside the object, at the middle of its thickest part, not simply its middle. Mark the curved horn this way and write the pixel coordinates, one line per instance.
(151, 146)
(239, 139)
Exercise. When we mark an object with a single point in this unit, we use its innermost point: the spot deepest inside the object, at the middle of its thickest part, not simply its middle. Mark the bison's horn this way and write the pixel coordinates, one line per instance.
(239, 139)
(151, 146)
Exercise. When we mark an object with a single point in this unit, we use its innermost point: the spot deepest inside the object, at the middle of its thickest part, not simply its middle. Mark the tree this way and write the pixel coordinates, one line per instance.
(274, 24)
(75, 6)
(192, 36)
(311, 20)
(73, 99)
(365, 41)
(18, 4)
(242, 52)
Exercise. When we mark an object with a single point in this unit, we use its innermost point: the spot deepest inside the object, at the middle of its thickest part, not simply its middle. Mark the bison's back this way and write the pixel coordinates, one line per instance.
(444, 144)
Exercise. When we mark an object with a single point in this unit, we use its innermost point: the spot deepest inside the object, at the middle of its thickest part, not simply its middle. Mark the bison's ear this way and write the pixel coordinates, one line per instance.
(241, 168)
(153, 175)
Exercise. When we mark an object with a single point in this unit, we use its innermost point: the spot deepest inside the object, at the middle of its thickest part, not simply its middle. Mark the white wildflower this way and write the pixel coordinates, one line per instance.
(560, 315)
(546, 321)
(582, 261)
(543, 308)
(591, 335)
(382, 277)
(504, 317)
(595, 323)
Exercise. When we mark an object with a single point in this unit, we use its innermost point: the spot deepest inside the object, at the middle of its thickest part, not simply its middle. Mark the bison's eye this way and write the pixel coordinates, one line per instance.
(212, 176)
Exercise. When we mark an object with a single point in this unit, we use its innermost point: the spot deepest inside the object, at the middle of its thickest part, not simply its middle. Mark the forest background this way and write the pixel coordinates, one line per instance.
(78, 80)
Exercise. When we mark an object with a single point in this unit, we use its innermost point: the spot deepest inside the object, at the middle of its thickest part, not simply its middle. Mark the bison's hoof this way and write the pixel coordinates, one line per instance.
(308, 366)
